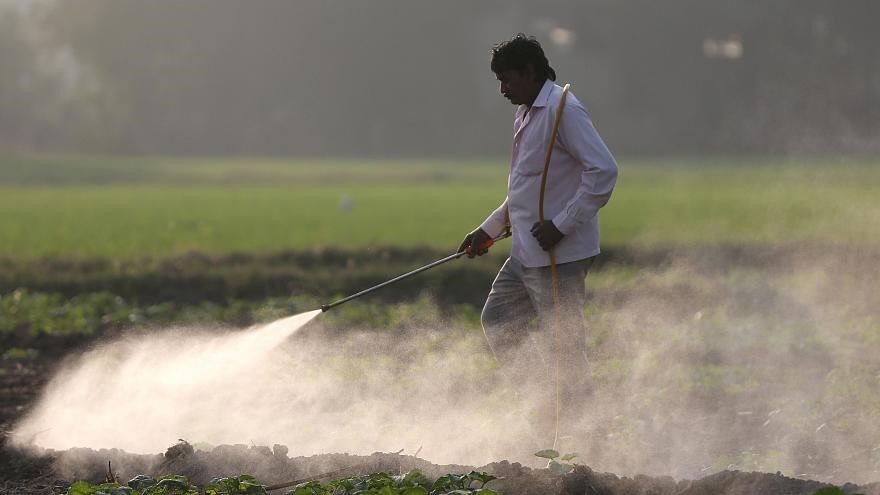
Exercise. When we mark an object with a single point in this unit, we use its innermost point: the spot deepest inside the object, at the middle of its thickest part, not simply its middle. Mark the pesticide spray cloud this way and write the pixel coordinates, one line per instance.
(358, 393)
(115, 395)
(713, 360)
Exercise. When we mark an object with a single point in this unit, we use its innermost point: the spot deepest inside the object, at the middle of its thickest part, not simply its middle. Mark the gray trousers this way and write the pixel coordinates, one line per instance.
(517, 320)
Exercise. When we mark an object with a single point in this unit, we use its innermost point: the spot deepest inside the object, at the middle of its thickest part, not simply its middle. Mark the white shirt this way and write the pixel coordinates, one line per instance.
(580, 180)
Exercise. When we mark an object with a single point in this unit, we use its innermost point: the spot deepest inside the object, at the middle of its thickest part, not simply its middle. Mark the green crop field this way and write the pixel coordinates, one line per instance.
(132, 207)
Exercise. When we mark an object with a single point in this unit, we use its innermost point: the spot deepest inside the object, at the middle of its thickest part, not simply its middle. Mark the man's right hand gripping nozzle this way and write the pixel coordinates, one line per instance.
(477, 243)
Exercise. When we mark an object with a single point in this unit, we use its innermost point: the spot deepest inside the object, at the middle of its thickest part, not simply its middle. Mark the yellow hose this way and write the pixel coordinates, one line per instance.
(553, 277)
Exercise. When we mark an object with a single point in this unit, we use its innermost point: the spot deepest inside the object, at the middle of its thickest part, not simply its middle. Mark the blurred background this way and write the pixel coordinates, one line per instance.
(388, 78)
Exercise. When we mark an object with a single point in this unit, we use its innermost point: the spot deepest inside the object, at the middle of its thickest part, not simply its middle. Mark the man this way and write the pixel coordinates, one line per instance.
(580, 180)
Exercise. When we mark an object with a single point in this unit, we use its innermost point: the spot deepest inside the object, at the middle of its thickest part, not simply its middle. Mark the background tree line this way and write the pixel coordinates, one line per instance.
(411, 78)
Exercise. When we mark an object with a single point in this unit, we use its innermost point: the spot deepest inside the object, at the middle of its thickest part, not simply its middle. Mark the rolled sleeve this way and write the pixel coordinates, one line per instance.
(497, 221)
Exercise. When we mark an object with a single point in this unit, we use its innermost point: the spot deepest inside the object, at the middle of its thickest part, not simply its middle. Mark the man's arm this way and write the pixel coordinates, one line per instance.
(578, 135)
(487, 231)
(498, 221)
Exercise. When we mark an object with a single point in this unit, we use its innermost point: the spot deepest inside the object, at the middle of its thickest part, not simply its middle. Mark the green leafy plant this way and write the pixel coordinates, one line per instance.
(460, 484)
(832, 490)
(557, 467)
(84, 488)
(141, 482)
(172, 485)
(411, 483)
(237, 485)
(139, 485)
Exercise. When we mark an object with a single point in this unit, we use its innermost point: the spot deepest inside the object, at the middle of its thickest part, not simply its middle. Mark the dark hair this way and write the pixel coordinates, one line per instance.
(517, 53)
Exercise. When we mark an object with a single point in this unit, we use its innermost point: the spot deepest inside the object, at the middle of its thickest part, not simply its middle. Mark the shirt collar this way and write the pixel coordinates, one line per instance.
(543, 98)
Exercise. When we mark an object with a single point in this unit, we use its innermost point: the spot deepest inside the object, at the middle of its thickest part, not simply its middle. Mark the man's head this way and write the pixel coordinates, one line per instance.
(521, 67)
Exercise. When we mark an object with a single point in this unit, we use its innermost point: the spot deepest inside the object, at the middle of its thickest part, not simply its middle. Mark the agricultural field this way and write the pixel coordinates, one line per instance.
(732, 323)
(125, 208)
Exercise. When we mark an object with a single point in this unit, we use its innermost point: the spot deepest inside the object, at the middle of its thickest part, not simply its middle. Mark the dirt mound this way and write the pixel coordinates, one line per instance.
(48, 472)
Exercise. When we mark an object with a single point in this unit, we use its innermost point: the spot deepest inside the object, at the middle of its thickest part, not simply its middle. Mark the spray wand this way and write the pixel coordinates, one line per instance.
(454, 256)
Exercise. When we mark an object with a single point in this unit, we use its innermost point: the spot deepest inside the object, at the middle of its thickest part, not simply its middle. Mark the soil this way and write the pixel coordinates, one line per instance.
(44, 472)
(48, 472)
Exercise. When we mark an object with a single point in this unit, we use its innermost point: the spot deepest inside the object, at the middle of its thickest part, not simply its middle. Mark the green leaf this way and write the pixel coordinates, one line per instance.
(84, 488)
(547, 454)
(485, 491)
(115, 490)
(411, 478)
(559, 468)
(141, 482)
(222, 485)
(251, 488)
(310, 488)
(172, 485)
(80, 488)
(418, 490)
(448, 482)
(347, 484)
(830, 490)
(379, 480)
(481, 477)
(568, 457)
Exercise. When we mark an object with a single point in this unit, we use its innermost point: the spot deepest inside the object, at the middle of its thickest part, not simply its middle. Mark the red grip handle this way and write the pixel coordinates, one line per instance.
(487, 244)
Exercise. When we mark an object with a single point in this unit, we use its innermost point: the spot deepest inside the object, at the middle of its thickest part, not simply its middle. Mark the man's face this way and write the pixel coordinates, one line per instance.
(521, 88)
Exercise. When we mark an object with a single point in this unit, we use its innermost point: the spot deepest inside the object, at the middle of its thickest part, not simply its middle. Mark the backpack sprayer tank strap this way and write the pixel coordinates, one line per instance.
(553, 276)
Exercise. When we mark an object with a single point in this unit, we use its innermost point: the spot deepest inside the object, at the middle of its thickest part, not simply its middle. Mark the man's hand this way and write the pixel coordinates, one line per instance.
(473, 242)
(547, 234)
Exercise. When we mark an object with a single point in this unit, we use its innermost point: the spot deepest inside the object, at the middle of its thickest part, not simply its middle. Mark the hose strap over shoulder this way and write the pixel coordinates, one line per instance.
(553, 276)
